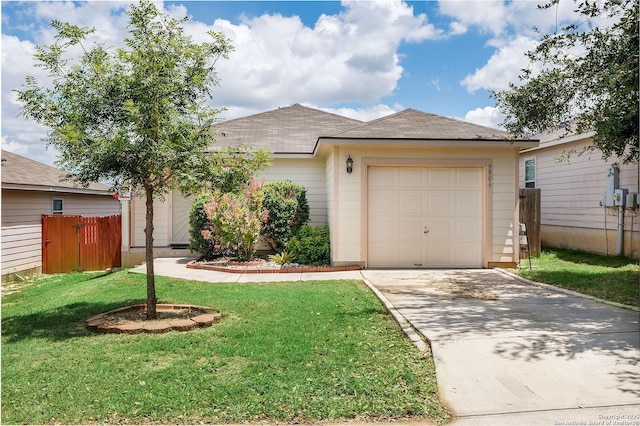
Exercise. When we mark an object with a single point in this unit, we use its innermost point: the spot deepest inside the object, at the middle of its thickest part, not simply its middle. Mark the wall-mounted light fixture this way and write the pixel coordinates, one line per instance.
(349, 164)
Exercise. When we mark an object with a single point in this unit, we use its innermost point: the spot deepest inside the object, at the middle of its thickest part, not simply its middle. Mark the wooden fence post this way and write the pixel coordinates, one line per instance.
(530, 216)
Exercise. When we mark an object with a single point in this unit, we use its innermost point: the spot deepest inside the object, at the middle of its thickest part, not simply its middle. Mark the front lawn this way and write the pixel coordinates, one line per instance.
(286, 352)
(612, 278)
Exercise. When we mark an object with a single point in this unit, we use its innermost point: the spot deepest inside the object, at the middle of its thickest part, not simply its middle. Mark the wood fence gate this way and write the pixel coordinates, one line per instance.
(530, 217)
(76, 243)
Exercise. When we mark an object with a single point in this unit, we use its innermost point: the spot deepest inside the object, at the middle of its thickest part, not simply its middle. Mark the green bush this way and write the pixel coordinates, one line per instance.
(236, 220)
(311, 246)
(199, 221)
(288, 212)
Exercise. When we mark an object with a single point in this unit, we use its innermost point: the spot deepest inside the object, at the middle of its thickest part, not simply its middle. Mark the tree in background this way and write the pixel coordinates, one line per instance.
(589, 79)
(134, 116)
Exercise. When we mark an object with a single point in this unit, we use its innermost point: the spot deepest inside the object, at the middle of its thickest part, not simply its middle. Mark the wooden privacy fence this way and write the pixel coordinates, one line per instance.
(76, 243)
(530, 217)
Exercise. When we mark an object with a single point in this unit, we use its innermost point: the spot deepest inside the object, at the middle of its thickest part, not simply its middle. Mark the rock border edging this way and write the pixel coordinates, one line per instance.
(252, 270)
(100, 324)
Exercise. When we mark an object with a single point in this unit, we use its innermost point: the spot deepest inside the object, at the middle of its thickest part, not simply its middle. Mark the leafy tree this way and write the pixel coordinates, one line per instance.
(134, 116)
(589, 78)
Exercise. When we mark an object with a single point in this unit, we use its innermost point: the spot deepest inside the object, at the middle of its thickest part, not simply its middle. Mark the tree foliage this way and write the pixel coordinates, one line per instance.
(589, 78)
(134, 116)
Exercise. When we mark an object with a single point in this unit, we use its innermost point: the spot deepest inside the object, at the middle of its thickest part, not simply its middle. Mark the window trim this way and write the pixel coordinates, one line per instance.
(530, 183)
(53, 205)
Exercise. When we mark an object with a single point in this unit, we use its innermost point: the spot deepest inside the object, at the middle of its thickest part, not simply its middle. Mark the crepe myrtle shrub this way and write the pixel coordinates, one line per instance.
(288, 209)
(198, 221)
(235, 220)
(311, 246)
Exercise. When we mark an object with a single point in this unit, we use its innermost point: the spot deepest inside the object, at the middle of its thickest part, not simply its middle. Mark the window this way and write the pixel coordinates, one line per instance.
(56, 206)
(530, 173)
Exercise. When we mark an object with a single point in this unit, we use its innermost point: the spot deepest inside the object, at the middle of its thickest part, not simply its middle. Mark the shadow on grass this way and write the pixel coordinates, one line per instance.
(57, 324)
(581, 257)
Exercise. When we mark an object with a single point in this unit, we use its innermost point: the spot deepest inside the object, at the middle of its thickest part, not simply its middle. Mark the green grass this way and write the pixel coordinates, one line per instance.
(286, 352)
(612, 278)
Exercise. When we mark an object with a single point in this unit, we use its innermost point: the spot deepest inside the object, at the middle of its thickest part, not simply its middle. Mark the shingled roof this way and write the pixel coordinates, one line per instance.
(289, 130)
(18, 172)
(414, 124)
(297, 129)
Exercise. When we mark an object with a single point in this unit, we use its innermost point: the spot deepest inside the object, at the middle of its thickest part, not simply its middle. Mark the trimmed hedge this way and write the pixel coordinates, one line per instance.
(311, 246)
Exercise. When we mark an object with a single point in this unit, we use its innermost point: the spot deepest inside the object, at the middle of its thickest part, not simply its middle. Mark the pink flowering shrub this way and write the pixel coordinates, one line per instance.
(236, 220)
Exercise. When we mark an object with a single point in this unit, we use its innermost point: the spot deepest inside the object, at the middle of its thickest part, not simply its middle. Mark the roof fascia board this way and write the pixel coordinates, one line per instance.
(561, 141)
(26, 187)
(528, 143)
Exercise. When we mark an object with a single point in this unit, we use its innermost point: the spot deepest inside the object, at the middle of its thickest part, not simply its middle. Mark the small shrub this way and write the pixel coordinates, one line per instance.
(311, 246)
(235, 220)
(288, 212)
(282, 258)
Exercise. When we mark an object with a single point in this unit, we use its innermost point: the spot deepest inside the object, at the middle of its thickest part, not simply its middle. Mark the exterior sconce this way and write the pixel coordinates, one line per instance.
(349, 164)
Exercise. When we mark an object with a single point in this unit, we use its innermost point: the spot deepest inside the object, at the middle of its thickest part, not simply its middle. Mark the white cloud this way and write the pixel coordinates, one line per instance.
(487, 15)
(348, 57)
(487, 116)
(503, 66)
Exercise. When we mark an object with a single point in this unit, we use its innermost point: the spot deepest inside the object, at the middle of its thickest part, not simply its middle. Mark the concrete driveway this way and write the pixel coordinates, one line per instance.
(507, 352)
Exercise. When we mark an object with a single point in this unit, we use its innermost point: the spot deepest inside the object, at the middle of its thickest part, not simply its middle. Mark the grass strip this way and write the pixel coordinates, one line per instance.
(284, 352)
(612, 278)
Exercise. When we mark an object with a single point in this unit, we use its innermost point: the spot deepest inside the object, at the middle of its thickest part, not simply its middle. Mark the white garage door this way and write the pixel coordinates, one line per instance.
(424, 217)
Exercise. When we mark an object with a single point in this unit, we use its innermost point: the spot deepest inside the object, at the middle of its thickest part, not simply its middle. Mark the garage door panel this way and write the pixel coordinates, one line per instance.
(439, 229)
(409, 179)
(467, 230)
(439, 202)
(382, 178)
(468, 178)
(409, 204)
(382, 202)
(440, 178)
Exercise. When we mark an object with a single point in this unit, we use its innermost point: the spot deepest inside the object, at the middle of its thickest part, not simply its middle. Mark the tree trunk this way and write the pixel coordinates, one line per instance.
(148, 231)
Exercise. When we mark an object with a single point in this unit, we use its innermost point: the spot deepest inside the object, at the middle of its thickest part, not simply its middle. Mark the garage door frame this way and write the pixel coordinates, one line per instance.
(486, 171)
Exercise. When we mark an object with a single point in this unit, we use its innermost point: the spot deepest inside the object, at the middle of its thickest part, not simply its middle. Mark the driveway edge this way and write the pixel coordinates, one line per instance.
(565, 291)
(418, 339)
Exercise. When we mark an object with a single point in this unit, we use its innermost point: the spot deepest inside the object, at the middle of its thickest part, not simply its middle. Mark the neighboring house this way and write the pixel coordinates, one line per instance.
(573, 212)
(31, 189)
(424, 190)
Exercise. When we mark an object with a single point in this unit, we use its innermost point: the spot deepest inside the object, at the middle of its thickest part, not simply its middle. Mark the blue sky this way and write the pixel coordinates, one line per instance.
(362, 59)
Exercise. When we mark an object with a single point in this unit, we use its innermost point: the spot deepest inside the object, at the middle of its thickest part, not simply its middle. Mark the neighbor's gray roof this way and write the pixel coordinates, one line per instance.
(414, 124)
(18, 172)
(289, 130)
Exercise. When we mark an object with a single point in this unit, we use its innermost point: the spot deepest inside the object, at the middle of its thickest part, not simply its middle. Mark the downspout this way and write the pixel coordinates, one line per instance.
(620, 245)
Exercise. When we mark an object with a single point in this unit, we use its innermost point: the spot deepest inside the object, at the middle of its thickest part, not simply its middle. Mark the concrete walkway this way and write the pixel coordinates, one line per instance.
(505, 352)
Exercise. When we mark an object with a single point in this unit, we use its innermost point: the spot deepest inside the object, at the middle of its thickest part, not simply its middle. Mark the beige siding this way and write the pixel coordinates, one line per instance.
(308, 172)
(571, 191)
(501, 196)
(22, 223)
(161, 222)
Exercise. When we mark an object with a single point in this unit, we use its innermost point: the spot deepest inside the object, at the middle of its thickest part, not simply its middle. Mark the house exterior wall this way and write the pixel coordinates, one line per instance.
(349, 216)
(308, 172)
(571, 191)
(22, 224)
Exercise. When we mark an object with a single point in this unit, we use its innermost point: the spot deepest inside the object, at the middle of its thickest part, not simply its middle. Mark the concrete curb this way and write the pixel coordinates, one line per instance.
(565, 291)
(421, 342)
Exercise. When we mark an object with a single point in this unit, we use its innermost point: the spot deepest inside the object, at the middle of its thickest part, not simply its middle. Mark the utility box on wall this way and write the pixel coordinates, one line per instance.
(632, 201)
(620, 197)
(611, 184)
